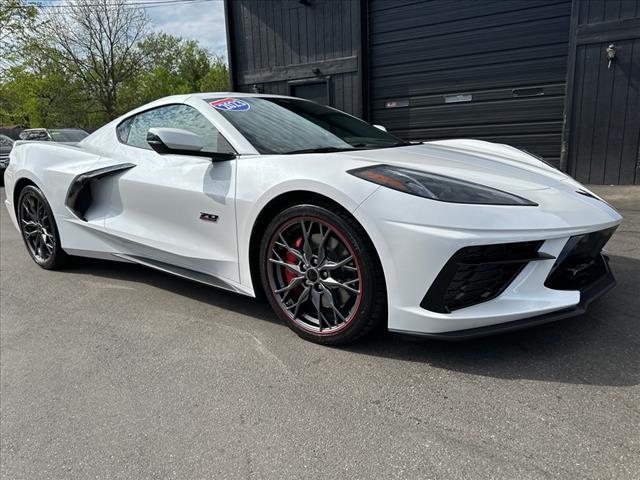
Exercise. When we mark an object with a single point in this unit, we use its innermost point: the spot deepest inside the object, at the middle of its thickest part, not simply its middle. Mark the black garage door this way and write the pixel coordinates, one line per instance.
(309, 49)
(492, 70)
(603, 121)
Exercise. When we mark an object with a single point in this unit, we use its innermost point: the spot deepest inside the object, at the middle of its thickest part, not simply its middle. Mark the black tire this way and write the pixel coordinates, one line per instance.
(39, 229)
(347, 299)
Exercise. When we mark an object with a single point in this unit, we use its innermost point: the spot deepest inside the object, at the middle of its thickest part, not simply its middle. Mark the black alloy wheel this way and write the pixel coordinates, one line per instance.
(321, 274)
(38, 228)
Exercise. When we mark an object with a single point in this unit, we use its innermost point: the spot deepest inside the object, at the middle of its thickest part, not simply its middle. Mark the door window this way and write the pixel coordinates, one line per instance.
(133, 131)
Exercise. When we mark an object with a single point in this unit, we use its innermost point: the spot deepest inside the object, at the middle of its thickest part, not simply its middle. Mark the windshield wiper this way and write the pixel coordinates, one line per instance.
(393, 145)
(320, 150)
(375, 146)
(357, 146)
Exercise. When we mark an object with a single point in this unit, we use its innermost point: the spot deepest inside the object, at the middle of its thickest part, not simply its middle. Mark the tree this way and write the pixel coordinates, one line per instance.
(84, 65)
(175, 65)
(96, 42)
(44, 96)
(217, 78)
(16, 21)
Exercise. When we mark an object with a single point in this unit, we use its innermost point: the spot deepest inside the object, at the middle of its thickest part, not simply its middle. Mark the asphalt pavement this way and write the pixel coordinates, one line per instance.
(115, 371)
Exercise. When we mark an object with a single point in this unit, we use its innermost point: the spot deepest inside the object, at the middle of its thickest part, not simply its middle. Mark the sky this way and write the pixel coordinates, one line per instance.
(203, 21)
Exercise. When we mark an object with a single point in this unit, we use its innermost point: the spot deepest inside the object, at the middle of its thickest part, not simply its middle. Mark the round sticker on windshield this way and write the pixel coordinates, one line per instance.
(230, 105)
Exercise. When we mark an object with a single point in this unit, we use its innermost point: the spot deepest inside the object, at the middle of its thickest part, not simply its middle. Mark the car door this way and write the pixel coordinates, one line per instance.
(175, 209)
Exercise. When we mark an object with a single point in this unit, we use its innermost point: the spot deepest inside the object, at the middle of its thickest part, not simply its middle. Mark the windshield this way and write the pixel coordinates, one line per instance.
(67, 135)
(287, 125)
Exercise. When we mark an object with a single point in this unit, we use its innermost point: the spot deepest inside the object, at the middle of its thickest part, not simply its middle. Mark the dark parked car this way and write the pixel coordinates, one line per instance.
(11, 131)
(6, 144)
(62, 135)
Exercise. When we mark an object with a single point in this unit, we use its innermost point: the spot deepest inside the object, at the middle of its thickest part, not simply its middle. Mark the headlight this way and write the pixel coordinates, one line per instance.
(437, 187)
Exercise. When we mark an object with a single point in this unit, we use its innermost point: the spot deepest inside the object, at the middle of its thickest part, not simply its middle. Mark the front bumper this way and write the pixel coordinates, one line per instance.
(595, 290)
(415, 238)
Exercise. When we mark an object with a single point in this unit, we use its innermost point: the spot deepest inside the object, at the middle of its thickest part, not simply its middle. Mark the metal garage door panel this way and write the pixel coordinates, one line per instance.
(493, 70)
(603, 128)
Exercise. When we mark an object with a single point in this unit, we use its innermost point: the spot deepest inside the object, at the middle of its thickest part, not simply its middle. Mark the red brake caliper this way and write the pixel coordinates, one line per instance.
(291, 258)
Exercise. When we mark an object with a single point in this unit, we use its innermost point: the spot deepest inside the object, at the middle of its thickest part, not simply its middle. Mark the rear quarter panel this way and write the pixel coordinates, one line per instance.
(51, 167)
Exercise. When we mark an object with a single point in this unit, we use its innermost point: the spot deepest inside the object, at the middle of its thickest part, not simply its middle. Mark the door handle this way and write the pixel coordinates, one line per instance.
(611, 54)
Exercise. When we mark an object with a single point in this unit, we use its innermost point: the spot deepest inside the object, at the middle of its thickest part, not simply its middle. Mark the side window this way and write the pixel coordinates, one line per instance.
(133, 131)
(37, 135)
(123, 129)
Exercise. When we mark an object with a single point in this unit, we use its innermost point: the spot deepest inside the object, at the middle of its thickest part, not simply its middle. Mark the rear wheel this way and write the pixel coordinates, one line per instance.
(39, 230)
(321, 274)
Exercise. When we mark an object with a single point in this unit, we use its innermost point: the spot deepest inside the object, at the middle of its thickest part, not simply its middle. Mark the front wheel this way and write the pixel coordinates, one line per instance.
(39, 230)
(321, 274)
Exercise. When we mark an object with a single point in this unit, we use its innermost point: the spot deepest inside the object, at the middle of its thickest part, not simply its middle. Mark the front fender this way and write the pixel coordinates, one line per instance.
(258, 184)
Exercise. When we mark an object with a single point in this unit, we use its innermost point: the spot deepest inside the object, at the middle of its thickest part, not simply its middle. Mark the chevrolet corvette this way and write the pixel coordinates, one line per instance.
(341, 225)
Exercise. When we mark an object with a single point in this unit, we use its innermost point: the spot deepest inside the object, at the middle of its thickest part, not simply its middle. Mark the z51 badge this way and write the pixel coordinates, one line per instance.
(230, 105)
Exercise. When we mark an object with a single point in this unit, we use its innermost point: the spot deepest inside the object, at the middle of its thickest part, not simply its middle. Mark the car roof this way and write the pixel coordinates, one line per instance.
(57, 129)
(182, 98)
(235, 94)
(209, 95)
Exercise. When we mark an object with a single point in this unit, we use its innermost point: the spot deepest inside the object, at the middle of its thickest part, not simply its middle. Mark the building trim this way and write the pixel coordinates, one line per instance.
(303, 70)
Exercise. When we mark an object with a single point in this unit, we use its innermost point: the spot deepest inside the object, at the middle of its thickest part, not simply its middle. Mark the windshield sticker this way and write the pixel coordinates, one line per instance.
(230, 105)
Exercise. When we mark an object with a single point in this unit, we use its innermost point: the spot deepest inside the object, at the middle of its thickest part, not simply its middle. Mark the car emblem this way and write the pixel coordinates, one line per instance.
(208, 217)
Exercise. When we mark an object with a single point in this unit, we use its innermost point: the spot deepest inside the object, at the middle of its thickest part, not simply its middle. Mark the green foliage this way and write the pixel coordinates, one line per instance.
(46, 97)
(36, 89)
(217, 78)
(174, 65)
(16, 21)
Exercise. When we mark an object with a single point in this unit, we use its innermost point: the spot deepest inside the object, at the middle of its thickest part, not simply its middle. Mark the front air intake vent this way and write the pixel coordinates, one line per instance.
(480, 273)
(580, 264)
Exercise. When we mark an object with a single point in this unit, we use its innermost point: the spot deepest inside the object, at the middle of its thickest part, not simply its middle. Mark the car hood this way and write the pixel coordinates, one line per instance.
(495, 165)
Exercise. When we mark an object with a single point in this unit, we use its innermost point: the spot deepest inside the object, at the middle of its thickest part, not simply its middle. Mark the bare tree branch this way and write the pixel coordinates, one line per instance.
(97, 41)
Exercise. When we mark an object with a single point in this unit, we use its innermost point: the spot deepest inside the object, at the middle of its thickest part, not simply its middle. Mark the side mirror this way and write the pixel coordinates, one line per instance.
(176, 141)
(381, 127)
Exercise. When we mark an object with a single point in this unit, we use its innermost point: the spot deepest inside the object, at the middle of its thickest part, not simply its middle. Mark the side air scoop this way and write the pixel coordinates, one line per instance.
(79, 193)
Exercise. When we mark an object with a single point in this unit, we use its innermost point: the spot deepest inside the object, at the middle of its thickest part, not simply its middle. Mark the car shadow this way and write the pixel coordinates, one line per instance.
(131, 272)
(601, 347)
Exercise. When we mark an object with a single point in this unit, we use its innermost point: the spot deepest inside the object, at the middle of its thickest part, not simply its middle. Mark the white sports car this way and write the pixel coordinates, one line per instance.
(341, 225)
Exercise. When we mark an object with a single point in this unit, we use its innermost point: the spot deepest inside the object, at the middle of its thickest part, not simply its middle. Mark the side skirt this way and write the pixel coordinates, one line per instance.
(181, 272)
